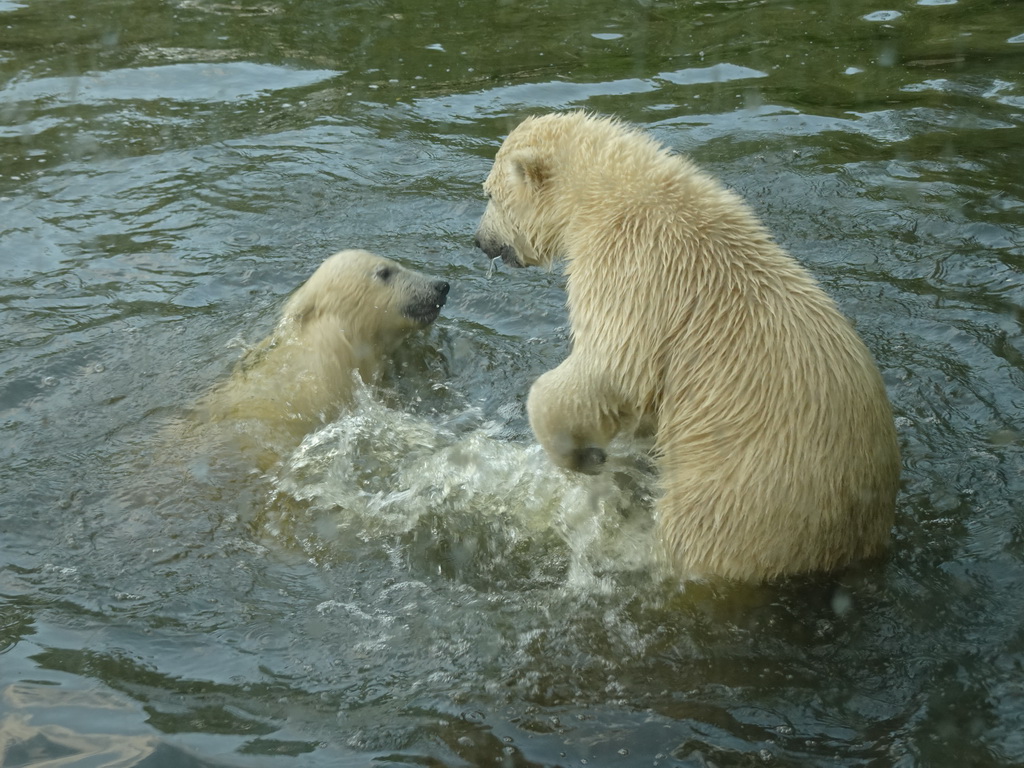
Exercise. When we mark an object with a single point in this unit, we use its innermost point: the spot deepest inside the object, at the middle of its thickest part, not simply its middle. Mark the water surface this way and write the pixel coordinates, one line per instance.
(416, 585)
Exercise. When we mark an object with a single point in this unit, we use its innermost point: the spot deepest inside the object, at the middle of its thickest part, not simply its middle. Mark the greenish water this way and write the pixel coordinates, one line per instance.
(416, 585)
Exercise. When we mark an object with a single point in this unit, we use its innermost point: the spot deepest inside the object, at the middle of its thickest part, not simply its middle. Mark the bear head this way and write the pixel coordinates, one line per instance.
(373, 300)
(524, 219)
(549, 169)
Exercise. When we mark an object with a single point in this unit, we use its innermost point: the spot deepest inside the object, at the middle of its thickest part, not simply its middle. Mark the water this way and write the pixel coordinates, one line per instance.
(416, 585)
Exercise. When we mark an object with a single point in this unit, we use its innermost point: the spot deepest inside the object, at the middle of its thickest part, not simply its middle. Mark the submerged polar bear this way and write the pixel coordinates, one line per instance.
(352, 312)
(774, 437)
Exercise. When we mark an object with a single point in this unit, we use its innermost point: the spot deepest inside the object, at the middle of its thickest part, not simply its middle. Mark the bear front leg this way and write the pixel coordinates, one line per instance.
(572, 418)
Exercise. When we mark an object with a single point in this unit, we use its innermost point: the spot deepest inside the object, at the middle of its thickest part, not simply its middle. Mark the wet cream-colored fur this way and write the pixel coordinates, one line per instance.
(352, 312)
(774, 436)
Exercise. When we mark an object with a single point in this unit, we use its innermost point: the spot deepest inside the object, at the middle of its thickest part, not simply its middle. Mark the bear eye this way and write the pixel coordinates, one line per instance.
(384, 274)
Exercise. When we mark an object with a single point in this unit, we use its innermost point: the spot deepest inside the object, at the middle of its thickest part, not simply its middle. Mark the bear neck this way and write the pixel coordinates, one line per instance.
(322, 360)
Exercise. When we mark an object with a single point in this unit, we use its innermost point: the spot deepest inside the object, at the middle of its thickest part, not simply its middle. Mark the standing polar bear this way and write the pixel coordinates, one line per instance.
(353, 311)
(774, 437)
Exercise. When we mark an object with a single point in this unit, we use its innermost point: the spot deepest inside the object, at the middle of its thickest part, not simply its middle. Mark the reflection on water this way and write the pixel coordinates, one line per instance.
(24, 740)
(417, 584)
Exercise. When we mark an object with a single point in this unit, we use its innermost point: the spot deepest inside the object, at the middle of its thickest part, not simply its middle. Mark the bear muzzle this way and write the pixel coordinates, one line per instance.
(495, 249)
(425, 309)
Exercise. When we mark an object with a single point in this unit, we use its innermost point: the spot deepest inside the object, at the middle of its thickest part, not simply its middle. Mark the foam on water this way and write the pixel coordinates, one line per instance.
(461, 498)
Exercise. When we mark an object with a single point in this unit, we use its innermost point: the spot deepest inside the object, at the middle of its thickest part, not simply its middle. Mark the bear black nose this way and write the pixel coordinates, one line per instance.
(441, 287)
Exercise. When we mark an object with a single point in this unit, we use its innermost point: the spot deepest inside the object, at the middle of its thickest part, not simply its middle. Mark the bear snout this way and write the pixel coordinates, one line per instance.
(426, 308)
(497, 250)
(440, 289)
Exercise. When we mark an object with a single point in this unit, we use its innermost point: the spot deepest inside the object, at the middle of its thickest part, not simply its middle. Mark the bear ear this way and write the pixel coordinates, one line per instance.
(530, 168)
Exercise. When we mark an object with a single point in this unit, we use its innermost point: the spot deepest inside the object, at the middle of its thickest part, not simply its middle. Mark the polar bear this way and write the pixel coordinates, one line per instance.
(344, 321)
(773, 435)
